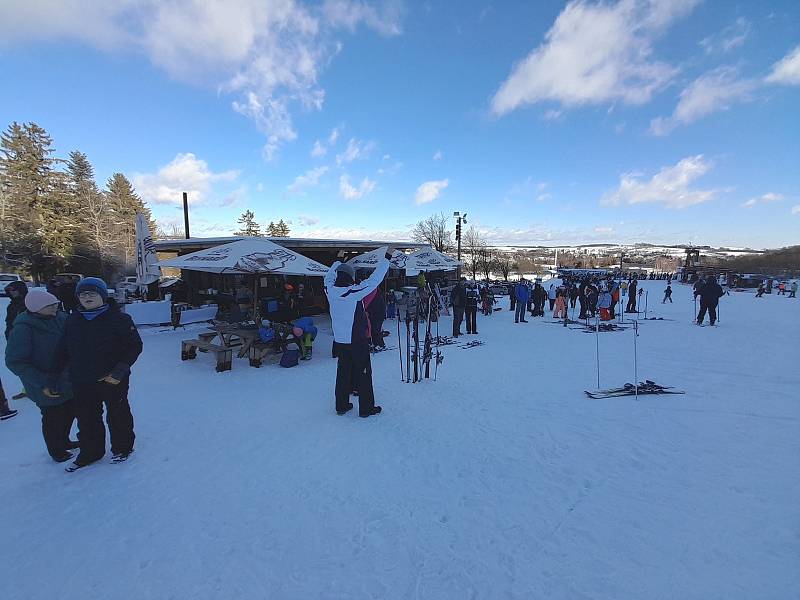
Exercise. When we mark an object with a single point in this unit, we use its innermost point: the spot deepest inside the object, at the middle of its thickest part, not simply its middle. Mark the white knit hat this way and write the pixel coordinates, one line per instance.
(36, 300)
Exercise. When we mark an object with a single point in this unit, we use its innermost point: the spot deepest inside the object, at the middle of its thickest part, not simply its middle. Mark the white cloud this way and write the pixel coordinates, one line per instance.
(430, 190)
(714, 91)
(728, 39)
(350, 192)
(334, 136)
(796, 209)
(318, 150)
(391, 169)
(670, 186)
(437, 155)
(308, 179)
(595, 53)
(307, 220)
(787, 69)
(385, 19)
(266, 54)
(763, 199)
(552, 115)
(185, 173)
(356, 150)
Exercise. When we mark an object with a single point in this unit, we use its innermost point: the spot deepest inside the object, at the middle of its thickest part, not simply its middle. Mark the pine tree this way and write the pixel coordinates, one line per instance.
(248, 226)
(30, 197)
(271, 230)
(125, 204)
(281, 229)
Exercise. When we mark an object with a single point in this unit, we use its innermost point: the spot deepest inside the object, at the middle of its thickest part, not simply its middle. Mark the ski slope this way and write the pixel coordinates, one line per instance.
(499, 480)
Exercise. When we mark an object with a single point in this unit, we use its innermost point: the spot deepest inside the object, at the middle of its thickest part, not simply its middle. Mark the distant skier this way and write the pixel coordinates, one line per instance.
(551, 295)
(349, 321)
(710, 294)
(458, 300)
(539, 298)
(522, 294)
(631, 307)
(471, 309)
(793, 290)
(560, 311)
(760, 291)
(667, 294)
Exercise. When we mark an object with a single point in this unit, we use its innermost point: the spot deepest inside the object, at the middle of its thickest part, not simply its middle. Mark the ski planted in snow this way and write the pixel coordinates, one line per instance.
(645, 388)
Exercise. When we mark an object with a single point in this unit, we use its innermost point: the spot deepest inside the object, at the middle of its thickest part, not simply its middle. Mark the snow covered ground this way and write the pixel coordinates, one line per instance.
(500, 480)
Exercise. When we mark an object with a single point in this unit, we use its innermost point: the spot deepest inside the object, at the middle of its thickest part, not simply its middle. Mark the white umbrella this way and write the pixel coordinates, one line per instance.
(147, 270)
(420, 260)
(251, 256)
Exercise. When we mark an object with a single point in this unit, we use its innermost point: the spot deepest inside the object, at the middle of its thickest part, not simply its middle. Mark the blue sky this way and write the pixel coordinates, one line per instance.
(547, 122)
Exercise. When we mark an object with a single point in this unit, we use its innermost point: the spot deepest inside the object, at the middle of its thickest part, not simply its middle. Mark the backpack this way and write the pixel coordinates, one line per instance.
(290, 358)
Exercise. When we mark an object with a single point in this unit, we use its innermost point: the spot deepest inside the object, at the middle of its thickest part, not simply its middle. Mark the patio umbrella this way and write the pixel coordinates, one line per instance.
(412, 264)
(250, 257)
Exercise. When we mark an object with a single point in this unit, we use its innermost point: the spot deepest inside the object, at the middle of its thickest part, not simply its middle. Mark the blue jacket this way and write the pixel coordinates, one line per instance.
(30, 351)
(522, 292)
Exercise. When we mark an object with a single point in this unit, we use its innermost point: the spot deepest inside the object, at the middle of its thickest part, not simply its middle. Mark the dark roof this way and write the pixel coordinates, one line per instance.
(194, 244)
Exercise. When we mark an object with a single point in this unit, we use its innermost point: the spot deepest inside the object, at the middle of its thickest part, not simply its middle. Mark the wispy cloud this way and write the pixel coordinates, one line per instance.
(351, 192)
(593, 54)
(308, 179)
(730, 38)
(796, 209)
(437, 155)
(787, 70)
(671, 186)
(307, 220)
(763, 199)
(430, 191)
(712, 92)
(318, 150)
(356, 150)
(185, 173)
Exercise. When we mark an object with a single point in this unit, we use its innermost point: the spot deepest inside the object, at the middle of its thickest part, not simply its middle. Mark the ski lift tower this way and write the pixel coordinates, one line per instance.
(690, 264)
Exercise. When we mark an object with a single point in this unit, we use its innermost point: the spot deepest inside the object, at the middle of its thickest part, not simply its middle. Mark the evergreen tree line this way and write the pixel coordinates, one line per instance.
(248, 226)
(53, 216)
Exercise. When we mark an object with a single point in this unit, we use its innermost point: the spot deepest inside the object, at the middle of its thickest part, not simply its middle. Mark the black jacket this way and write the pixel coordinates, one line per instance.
(710, 293)
(90, 350)
(458, 297)
(17, 305)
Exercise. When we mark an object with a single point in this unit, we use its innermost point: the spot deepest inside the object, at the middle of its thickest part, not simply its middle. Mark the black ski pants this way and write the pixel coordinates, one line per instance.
(582, 303)
(56, 425)
(377, 333)
(712, 312)
(667, 297)
(471, 313)
(631, 307)
(89, 401)
(458, 316)
(354, 371)
(552, 303)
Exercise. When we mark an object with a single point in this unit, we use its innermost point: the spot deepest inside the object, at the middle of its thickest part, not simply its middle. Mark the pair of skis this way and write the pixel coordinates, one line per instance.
(645, 388)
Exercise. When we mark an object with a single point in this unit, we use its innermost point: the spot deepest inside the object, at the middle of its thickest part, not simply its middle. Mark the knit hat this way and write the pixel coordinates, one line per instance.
(36, 300)
(345, 268)
(92, 284)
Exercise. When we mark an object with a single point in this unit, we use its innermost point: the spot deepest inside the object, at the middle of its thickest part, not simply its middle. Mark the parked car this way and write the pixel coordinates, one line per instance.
(6, 278)
(499, 290)
(128, 284)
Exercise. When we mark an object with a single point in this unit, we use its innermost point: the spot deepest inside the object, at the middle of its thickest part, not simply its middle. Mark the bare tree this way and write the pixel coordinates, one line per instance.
(434, 231)
(487, 261)
(472, 245)
(505, 264)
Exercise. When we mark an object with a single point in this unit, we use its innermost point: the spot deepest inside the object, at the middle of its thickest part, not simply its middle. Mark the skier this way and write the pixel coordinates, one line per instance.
(573, 295)
(98, 349)
(793, 290)
(376, 310)
(349, 322)
(560, 305)
(614, 298)
(710, 294)
(458, 300)
(697, 288)
(29, 354)
(522, 293)
(539, 298)
(551, 295)
(16, 290)
(760, 290)
(667, 294)
(631, 307)
(471, 309)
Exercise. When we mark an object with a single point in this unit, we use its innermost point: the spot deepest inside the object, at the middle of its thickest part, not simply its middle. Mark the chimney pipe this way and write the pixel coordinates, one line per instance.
(186, 214)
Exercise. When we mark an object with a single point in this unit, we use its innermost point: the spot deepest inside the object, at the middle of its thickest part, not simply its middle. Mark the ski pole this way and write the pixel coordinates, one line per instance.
(646, 294)
(400, 348)
(635, 360)
(695, 310)
(597, 349)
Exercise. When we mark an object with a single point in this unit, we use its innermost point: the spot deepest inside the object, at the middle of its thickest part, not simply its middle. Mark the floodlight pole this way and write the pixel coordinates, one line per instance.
(459, 220)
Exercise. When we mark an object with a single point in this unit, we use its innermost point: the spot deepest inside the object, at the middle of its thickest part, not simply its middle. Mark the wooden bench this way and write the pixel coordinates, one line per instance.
(224, 355)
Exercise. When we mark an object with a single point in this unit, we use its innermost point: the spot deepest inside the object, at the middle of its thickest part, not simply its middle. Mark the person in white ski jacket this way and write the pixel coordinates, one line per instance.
(349, 321)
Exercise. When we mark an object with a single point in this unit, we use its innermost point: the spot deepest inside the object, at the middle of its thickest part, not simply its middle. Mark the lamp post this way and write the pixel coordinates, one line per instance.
(459, 220)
